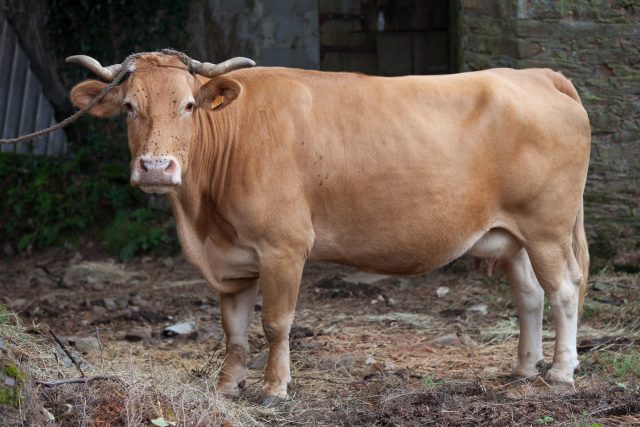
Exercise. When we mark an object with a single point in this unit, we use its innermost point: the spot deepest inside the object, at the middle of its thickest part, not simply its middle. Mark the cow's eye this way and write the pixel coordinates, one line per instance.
(128, 107)
(189, 107)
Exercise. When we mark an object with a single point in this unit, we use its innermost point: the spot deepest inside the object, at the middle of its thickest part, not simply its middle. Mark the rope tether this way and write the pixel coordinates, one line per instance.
(127, 67)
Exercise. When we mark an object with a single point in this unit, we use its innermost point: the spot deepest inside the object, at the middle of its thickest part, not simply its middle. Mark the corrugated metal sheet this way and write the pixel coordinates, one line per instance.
(23, 107)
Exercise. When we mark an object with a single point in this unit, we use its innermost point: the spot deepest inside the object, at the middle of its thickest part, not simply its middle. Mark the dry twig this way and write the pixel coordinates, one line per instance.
(66, 351)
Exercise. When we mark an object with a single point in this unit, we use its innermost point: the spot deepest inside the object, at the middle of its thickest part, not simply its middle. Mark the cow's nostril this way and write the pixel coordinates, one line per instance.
(143, 167)
(171, 168)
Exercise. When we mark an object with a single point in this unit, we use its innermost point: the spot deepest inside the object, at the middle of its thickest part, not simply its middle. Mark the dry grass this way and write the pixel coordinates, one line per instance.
(128, 394)
(362, 354)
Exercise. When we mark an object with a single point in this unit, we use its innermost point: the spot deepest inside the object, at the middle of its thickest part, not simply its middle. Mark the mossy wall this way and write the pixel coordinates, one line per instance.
(597, 45)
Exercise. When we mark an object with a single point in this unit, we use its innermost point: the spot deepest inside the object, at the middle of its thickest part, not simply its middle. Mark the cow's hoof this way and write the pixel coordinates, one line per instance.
(271, 401)
(231, 390)
(558, 377)
(527, 371)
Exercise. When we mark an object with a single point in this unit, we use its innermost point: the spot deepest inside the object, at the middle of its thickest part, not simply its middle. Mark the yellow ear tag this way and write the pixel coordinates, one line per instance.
(217, 102)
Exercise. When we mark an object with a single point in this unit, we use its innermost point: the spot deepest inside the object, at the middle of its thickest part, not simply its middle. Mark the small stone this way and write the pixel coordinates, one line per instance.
(48, 414)
(3, 345)
(210, 310)
(465, 339)
(142, 333)
(480, 309)
(98, 286)
(87, 344)
(344, 362)
(76, 259)
(147, 259)
(136, 300)
(391, 302)
(442, 291)
(168, 262)
(109, 304)
(122, 303)
(370, 360)
(259, 361)
(182, 328)
(9, 381)
(98, 310)
(445, 340)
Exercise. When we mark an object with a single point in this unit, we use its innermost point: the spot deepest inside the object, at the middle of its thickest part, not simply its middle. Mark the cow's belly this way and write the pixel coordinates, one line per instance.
(399, 251)
(421, 254)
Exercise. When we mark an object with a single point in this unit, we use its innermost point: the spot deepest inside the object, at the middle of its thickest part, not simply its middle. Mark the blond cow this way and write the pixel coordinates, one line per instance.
(391, 175)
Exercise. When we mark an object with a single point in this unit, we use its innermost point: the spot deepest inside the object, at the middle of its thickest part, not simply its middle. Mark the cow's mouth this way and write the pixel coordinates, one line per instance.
(156, 188)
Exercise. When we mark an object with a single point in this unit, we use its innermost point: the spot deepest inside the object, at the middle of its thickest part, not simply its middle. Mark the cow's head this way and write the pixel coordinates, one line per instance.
(160, 96)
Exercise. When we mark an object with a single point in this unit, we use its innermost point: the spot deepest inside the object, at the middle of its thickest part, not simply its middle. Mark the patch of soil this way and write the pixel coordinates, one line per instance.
(103, 402)
(335, 286)
(469, 403)
(360, 351)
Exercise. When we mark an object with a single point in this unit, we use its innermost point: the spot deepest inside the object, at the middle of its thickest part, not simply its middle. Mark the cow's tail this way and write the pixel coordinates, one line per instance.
(563, 84)
(581, 252)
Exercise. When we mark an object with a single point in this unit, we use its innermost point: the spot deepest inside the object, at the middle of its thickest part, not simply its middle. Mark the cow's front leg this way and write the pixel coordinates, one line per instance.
(237, 313)
(279, 282)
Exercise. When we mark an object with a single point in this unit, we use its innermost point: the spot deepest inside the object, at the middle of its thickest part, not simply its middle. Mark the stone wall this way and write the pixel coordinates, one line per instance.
(272, 32)
(597, 45)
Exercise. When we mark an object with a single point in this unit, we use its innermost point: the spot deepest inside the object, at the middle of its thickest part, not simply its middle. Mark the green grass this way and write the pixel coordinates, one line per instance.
(621, 366)
(429, 381)
(545, 420)
(626, 366)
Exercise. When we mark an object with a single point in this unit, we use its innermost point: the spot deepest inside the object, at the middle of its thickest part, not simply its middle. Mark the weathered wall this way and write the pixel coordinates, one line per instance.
(272, 32)
(597, 45)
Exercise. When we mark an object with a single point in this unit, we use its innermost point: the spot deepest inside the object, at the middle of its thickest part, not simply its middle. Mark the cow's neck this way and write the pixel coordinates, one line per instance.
(211, 155)
(203, 187)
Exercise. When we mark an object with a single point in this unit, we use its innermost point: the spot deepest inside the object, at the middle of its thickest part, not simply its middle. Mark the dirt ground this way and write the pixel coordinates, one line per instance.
(433, 349)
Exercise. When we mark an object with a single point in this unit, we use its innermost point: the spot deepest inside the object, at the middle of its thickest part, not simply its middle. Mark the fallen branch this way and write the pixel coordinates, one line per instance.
(83, 380)
(101, 349)
(67, 352)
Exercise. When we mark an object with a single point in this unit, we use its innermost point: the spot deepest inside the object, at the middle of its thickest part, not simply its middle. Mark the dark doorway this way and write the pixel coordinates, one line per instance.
(387, 37)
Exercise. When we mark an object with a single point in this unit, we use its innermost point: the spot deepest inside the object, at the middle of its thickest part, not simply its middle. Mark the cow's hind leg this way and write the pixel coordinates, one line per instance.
(529, 299)
(559, 275)
(237, 313)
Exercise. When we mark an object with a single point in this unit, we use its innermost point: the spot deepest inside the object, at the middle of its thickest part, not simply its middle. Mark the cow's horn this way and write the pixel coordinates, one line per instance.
(208, 69)
(105, 73)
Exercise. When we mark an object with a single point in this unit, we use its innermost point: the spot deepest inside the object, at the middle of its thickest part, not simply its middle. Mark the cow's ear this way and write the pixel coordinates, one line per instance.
(109, 105)
(217, 87)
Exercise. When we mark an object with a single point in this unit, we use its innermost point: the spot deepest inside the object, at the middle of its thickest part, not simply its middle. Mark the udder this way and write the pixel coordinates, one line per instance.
(495, 245)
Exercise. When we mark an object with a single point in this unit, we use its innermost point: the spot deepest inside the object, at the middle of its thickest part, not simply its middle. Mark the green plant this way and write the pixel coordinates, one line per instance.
(138, 231)
(430, 381)
(545, 420)
(4, 314)
(46, 201)
(622, 366)
(626, 365)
